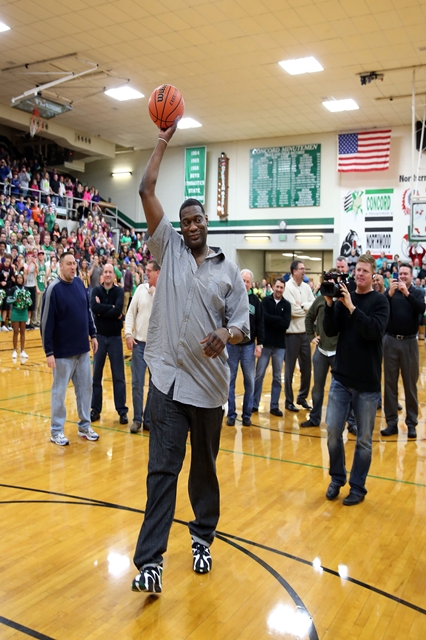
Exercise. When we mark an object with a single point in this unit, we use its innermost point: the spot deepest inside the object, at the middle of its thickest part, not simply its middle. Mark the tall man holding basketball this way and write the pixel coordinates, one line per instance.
(186, 355)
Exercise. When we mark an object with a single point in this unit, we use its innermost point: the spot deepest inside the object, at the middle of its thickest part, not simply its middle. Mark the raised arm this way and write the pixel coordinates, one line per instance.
(151, 204)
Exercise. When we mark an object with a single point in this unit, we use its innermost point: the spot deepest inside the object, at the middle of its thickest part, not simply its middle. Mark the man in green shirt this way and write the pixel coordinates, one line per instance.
(46, 246)
(49, 217)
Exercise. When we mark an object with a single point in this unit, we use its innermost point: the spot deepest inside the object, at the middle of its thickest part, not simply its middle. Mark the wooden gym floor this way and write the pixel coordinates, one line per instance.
(286, 562)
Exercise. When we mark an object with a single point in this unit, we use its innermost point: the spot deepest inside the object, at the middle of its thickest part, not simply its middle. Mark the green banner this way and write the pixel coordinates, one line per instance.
(195, 173)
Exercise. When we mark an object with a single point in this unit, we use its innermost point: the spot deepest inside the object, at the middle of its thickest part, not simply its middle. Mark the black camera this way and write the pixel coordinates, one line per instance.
(330, 285)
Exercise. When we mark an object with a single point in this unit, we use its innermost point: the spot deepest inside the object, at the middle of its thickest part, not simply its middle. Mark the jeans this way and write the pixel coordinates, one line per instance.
(322, 364)
(170, 423)
(298, 348)
(364, 404)
(401, 355)
(138, 367)
(113, 347)
(243, 354)
(277, 356)
(76, 369)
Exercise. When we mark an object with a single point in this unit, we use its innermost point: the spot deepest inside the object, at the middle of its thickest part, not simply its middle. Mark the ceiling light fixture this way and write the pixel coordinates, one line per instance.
(188, 123)
(340, 105)
(124, 93)
(301, 65)
(121, 174)
(4, 27)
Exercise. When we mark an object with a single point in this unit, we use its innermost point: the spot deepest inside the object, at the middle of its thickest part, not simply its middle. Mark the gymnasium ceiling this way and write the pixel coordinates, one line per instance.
(223, 55)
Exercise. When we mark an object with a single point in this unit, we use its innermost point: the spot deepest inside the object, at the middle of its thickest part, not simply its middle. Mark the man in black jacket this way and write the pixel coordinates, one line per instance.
(360, 319)
(246, 355)
(277, 316)
(107, 306)
(401, 350)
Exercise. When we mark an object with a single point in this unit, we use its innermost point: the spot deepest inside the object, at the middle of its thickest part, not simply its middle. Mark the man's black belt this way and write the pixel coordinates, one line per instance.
(400, 337)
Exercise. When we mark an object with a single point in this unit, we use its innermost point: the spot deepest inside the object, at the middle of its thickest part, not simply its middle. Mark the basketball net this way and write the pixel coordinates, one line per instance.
(36, 123)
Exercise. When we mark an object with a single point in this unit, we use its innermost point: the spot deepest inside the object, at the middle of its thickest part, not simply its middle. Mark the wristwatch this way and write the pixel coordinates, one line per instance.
(231, 333)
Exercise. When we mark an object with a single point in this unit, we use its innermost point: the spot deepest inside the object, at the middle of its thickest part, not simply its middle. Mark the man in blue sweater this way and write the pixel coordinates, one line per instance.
(66, 323)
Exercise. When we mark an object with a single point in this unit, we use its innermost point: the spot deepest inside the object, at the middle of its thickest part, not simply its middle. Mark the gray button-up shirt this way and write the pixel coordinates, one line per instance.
(190, 302)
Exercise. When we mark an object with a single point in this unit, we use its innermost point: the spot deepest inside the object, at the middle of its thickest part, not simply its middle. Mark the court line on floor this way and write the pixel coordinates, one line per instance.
(313, 635)
(81, 500)
(306, 434)
(364, 585)
(231, 451)
(20, 627)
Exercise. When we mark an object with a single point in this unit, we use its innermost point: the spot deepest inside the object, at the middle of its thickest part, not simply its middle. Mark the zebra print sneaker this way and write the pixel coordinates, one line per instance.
(201, 557)
(149, 579)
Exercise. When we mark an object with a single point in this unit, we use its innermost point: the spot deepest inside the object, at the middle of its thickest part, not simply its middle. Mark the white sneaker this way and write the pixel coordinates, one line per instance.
(4, 328)
(24, 355)
(59, 439)
(10, 328)
(89, 434)
(14, 355)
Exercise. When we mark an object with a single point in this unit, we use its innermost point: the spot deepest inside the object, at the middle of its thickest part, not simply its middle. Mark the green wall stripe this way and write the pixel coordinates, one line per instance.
(230, 224)
(377, 191)
(297, 222)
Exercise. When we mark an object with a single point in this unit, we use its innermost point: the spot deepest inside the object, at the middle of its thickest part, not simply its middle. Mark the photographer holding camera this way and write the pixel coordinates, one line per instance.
(360, 319)
(323, 358)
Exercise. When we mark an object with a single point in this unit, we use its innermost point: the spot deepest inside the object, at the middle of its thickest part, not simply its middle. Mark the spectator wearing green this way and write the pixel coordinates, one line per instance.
(46, 246)
(49, 217)
(125, 239)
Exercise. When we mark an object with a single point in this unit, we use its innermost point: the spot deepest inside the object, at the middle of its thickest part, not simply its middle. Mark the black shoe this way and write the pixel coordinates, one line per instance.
(231, 422)
(352, 428)
(389, 431)
(255, 410)
(124, 419)
(309, 423)
(277, 412)
(246, 422)
(332, 491)
(94, 416)
(399, 407)
(352, 499)
(145, 426)
(136, 427)
(304, 404)
(291, 407)
(412, 433)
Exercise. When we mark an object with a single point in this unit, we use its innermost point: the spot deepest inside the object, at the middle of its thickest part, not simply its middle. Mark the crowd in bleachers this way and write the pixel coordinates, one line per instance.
(33, 237)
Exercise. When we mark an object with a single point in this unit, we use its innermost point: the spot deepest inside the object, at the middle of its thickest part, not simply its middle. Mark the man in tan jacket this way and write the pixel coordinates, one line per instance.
(136, 328)
(298, 347)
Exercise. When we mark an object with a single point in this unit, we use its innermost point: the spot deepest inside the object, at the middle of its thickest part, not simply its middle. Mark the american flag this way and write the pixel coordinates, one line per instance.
(365, 151)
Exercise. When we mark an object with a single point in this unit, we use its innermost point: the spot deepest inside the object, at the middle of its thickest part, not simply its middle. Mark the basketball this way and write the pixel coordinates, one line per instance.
(165, 105)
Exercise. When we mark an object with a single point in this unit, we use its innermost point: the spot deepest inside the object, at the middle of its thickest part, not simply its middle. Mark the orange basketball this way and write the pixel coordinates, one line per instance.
(165, 105)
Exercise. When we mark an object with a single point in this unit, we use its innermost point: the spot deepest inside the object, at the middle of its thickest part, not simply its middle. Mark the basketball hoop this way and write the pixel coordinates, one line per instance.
(36, 123)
